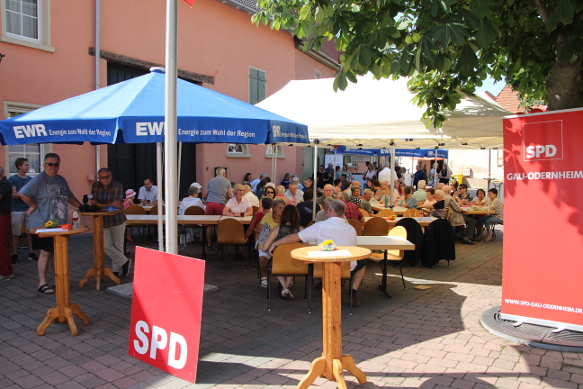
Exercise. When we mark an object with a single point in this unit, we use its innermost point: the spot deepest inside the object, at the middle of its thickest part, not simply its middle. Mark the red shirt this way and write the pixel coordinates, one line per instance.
(352, 211)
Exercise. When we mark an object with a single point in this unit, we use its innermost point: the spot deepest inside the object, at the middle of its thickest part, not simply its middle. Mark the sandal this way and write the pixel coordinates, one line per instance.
(44, 289)
(264, 282)
(286, 294)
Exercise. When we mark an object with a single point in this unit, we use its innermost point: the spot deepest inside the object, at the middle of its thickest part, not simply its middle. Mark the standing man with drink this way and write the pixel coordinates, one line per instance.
(19, 208)
(109, 193)
(47, 196)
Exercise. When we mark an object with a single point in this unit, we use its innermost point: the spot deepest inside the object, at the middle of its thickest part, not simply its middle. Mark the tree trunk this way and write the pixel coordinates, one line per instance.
(563, 83)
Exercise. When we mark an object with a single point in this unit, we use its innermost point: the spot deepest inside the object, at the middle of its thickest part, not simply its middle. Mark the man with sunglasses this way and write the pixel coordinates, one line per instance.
(47, 196)
(109, 192)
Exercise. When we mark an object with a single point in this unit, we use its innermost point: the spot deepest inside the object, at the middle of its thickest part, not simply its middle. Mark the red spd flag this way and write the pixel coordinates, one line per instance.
(190, 2)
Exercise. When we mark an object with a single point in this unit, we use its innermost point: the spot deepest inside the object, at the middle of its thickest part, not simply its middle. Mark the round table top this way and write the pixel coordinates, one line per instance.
(355, 253)
(56, 232)
(100, 213)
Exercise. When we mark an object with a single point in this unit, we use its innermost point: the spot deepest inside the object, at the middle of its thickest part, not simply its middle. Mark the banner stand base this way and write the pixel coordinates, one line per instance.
(532, 334)
(127, 290)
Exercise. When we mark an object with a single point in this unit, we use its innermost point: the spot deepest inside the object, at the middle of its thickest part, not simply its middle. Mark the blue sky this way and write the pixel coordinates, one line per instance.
(490, 86)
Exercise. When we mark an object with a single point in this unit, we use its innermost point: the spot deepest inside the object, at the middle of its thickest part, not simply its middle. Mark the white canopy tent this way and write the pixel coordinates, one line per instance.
(379, 113)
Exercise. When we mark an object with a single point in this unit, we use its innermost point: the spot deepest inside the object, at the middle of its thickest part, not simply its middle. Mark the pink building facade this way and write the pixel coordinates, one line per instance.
(49, 49)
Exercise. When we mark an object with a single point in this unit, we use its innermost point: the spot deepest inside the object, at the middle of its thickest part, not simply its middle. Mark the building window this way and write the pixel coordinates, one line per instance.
(27, 23)
(34, 152)
(238, 150)
(257, 81)
(269, 151)
(317, 73)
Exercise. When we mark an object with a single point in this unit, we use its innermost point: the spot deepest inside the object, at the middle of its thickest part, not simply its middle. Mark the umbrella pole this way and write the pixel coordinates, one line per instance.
(170, 127)
(159, 180)
(392, 167)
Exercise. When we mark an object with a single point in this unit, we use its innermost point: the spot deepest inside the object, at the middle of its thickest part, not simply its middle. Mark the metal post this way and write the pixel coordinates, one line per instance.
(97, 68)
(314, 183)
(170, 127)
(392, 167)
(160, 181)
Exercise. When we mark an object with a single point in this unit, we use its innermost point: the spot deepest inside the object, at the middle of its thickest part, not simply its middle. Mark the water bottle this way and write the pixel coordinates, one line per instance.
(386, 200)
(75, 220)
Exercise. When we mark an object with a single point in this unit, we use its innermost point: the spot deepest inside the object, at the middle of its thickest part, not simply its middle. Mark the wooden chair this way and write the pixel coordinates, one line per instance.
(385, 213)
(392, 255)
(412, 212)
(230, 231)
(357, 226)
(376, 227)
(255, 209)
(282, 264)
(136, 210)
(420, 203)
(364, 213)
(193, 210)
(154, 210)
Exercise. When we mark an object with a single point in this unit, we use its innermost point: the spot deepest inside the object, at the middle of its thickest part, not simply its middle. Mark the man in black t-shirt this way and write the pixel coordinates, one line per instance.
(6, 270)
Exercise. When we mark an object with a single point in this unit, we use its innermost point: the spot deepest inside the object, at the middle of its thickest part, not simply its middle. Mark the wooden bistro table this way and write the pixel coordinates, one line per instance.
(332, 363)
(64, 309)
(98, 270)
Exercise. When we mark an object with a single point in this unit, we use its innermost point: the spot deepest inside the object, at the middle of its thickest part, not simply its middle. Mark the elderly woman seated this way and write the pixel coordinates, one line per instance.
(192, 200)
(237, 205)
(437, 209)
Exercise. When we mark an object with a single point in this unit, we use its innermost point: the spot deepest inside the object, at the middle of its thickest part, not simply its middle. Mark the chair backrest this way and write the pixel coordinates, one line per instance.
(194, 210)
(357, 226)
(386, 213)
(135, 210)
(310, 223)
(154, 210)
(412, 212)
(420, 203)
(376, 227)
(231, 231)
(283, 263)
(364, 213)
(255, 209)
(344, 272)
(399, 231)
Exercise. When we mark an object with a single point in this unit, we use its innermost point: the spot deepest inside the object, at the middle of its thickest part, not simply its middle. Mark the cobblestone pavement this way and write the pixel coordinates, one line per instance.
(418, 339)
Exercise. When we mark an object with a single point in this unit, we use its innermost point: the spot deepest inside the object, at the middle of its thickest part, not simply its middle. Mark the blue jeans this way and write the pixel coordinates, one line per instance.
(485, 221)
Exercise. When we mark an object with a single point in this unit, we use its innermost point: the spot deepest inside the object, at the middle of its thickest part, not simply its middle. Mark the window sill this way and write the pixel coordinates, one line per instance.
(32, 45)
(238, 155)
(269, 156)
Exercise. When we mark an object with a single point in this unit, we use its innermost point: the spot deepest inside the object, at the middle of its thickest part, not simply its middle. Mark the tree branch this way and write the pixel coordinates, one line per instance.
(542, 9)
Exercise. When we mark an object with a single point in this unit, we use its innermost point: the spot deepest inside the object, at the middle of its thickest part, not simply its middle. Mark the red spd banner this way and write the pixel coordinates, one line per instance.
(167, 311)
(543, 218)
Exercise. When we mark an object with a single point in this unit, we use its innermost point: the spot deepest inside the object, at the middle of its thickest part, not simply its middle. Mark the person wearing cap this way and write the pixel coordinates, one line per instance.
(109, 193)
(192, 200)
(129, 200)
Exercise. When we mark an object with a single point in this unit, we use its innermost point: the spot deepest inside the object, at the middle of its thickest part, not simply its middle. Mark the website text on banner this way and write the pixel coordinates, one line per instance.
(543, 221)
(167, 312)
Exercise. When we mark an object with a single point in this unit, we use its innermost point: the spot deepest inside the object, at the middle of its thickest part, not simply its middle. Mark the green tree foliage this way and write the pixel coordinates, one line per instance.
(447, 46)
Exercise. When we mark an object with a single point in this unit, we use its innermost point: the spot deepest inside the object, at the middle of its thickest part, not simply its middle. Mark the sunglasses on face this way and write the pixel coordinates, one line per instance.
(50, 164)
(269, 192)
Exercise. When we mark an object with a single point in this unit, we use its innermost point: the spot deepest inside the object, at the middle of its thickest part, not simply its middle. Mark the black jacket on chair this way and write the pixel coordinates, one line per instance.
(438, 243)
(415, 236)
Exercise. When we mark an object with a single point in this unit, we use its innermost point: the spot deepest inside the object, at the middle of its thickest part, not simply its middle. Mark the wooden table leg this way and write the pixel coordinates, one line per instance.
(98, 271)
(64, 310)
(332, 363)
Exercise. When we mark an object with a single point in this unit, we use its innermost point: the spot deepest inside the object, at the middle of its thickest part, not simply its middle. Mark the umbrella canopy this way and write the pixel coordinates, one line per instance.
(379, 113)
(133, 112)
(411, 153)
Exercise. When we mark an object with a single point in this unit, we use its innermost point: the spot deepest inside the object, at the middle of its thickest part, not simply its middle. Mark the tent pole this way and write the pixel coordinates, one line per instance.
(179, 167)
(314, 188)
(97, 68)
(159, 180)
(392, 167)
(170, 127)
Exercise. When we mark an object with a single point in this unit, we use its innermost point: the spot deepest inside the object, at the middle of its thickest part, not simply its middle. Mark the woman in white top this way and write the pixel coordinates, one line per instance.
(480, 200)
(192, 199)
(237, 205)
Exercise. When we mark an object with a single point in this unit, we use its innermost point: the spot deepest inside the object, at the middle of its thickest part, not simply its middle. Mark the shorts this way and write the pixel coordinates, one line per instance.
(214, 209)
(45, 244)
(263, 253)
(360, 263)
(17, 219)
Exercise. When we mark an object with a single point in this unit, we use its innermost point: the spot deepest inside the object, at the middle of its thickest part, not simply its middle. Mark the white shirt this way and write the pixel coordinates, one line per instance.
(299, 196)
(254, 183)
(335, 228)
(235, 207)
(387, 174)
(252, 199)
(190, 202)
(151, 195)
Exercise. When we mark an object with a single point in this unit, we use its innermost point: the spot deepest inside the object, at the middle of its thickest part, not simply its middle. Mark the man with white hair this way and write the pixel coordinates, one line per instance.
(219, 190)
(388, 174)
(250, 197)
(328, 192)
(293, 194)
(337, 229)
(420, 194)
(365, 202)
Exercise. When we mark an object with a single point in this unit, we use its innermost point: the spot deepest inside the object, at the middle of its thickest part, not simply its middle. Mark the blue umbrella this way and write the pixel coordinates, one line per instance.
(133, 112)
(413, 153)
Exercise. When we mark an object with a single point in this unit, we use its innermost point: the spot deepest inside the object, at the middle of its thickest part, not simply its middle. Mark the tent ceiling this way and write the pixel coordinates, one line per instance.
(379, 113)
